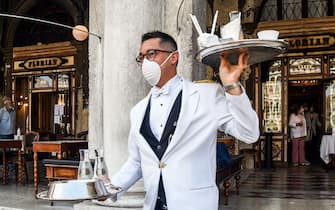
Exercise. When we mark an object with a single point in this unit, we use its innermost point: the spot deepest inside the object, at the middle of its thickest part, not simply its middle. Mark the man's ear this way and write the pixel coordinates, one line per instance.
(175, 58)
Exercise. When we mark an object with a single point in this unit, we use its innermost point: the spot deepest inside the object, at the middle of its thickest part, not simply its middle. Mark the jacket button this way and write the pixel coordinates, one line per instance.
(162, 165)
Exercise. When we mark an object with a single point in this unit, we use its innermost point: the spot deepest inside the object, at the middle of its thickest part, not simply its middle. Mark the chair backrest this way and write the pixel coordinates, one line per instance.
(29, 138)
(82, 135)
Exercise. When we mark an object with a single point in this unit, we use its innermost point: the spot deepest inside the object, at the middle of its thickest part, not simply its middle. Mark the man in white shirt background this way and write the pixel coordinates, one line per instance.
(172, 139)
(7, 119)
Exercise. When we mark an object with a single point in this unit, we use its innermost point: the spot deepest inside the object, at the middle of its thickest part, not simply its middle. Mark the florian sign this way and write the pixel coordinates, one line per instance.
(44, 63)
(311, 42)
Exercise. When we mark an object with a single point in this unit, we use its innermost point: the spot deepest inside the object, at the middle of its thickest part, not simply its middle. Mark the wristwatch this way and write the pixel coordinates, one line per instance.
(231, 86)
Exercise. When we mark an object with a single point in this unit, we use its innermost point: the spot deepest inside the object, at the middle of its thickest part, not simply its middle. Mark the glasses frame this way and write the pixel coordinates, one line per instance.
(150, 55)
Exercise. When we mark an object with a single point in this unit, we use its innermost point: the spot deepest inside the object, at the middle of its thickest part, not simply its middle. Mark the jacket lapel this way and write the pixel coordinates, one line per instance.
(138, 119)
(190, 99)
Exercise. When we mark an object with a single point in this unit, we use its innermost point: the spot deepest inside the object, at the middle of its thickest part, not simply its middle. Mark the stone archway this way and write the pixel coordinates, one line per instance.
(73, 8)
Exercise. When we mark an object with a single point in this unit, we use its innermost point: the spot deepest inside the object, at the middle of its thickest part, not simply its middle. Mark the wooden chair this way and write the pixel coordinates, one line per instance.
(228, 171)
(27, 153)
(82, 135)
(252, 152)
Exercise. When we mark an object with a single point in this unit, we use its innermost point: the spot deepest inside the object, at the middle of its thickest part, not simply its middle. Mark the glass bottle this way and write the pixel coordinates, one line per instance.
(100, 168)
(85, 170)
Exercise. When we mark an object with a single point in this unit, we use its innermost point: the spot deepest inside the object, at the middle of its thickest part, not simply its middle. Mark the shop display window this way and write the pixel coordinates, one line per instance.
(63, 81)
(305, 66)
(332, 65)
(272, 97)
(42, 82)
(330, 107)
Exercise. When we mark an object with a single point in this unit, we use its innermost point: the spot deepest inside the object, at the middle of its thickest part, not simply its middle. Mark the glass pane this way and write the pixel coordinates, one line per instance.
(63, 81)
(332, 65)
(330, 107)
(305, 66)
(271, 103)
(269, 12)
(42, 82)
(317, 8)
(292, 9)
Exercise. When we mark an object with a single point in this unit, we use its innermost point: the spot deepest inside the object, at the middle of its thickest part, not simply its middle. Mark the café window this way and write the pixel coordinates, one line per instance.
(305, 66)
(330, 107)
(63, 81)
(274, 10)
(272, 97)
(42, 82)
(332, 65)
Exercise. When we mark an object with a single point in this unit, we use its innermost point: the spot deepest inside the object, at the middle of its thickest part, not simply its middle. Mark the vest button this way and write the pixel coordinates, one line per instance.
(159, 147)
(162, 165)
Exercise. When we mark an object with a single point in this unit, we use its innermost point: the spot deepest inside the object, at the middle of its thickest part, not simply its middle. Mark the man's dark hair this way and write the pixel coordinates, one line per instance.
(165, 38)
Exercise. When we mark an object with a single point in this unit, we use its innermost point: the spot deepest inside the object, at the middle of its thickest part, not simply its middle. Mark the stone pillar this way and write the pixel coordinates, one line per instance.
(116, 83)
(177, 22)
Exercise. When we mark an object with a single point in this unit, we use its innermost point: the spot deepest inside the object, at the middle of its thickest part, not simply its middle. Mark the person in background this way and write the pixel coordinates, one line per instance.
(313, 130)
(308, 138)
(7, 119)
(172, 138)
(298, 129)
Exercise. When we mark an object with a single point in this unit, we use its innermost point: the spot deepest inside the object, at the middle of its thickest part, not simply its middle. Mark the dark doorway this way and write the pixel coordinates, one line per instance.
(307, 95)
(42, 105)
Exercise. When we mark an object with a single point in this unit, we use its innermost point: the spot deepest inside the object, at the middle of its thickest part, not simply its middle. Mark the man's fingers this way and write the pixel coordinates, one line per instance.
(243, 60)
(224, 62)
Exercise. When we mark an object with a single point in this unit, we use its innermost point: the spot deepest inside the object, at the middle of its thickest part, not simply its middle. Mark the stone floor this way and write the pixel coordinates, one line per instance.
(295, 188)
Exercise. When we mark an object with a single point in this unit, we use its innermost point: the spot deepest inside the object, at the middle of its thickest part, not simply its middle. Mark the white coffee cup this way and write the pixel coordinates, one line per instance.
(268, 34)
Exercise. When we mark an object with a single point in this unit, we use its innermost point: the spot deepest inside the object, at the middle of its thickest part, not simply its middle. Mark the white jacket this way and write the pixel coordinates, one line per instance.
(189, 163)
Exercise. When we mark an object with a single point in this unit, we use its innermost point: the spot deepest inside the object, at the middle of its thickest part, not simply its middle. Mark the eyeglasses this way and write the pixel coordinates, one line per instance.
(150, 55)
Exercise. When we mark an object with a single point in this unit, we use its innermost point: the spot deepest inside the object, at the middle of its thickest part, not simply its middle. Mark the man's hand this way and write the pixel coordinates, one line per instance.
(230, 74)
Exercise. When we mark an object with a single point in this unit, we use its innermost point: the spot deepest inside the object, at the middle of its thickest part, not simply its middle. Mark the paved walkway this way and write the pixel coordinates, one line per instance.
(299, 188)
(295, 188)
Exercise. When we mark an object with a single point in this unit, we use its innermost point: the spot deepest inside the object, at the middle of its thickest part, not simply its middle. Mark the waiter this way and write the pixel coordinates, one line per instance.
(172, 139)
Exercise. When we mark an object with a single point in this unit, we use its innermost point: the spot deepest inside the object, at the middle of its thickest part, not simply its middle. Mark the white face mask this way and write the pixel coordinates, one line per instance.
(152, 71)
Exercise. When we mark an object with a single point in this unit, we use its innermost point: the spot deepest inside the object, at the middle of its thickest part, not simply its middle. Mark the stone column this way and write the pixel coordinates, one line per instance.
(177, 22)
(116, 83)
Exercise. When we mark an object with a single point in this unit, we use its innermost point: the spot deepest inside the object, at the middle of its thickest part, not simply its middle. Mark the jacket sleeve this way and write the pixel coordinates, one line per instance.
(130, 172)
(236, 116)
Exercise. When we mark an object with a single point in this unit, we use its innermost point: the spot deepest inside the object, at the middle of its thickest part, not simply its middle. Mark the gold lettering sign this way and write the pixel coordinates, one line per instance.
(42, 63)
(311, 42)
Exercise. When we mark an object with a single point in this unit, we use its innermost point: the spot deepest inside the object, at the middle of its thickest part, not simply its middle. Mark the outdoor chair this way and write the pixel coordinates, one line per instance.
(27, 153)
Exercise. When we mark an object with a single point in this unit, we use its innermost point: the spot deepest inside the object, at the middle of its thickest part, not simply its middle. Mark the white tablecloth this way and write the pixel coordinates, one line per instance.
(327, 147)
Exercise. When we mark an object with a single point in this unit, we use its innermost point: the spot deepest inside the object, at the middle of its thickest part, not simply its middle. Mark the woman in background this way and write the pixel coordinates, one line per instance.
(297, 124)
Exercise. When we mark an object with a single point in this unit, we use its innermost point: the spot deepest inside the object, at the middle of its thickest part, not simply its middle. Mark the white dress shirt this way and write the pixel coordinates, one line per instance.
(162, 100)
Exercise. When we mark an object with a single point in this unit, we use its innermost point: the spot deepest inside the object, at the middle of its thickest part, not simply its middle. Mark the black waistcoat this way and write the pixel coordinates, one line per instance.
(159, 147)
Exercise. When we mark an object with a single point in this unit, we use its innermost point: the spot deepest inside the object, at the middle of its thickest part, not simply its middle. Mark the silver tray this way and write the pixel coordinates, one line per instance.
(76, 190)
(258, 50)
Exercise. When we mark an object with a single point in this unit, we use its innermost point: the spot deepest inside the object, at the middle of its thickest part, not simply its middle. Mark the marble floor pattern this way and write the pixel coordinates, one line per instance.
(293, 188)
